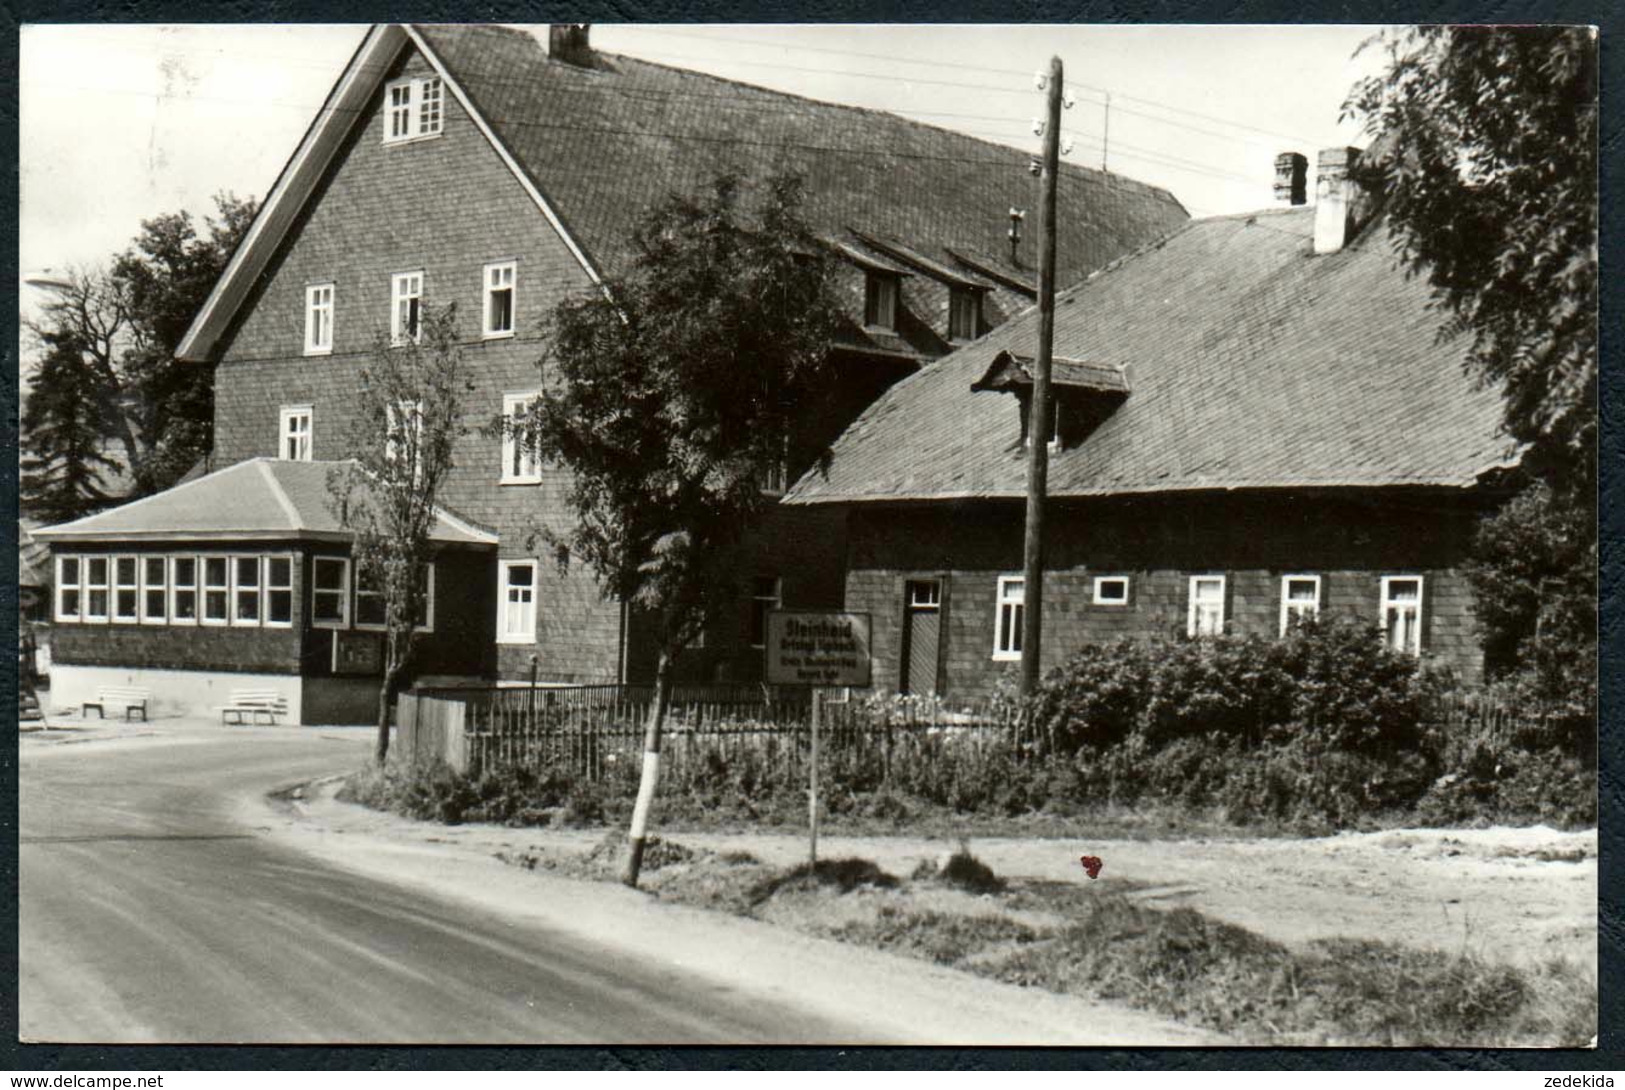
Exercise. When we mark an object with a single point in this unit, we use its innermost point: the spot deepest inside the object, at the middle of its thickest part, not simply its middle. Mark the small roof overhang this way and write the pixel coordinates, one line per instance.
(1011, 373)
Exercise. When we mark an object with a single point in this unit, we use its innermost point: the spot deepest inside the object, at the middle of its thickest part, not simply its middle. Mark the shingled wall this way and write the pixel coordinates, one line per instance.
(1159, 542)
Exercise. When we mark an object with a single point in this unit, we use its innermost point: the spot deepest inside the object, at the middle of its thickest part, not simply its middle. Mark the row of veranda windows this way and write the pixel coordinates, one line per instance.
(242, 591)
(499, 285)
(1400, 610)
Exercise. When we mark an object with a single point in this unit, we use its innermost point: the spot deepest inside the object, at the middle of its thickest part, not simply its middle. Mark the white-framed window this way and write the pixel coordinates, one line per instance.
(500, 296)
(98, 570)
(330, 592)
(413, 108)
(1008, 610)
(516, 605)
(216, 590)
(519, 462)
(924, 594)
(154, 590)
(767, 594)
(425, 615)
(406, 307)
(404, 425)
(880, 300)
(126, 590)
(1300, 599)
(318, 319)
(1206, 614)
(279, 591)
(69, 589)
(183, 590)
(775, 479)
(1111, 590)
(371, 608)
(1402, 613)
(964, 314)
(246, 583)
(1054, 422)
(296, 430)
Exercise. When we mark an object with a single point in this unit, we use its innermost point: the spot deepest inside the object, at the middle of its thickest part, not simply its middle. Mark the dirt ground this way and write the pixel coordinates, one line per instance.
(1518, 895)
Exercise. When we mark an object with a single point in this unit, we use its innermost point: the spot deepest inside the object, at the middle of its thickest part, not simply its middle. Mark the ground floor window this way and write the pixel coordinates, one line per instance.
(766, 596)
(516, 621)
(183, 590)
(1402, 612)
(126, 590)
(1300, 599)
(1009, 606)
(1111, 590)
(96, 584)
(1206, 613)
(68, 592)
(330, 591)
(154, 590)
(372, 605)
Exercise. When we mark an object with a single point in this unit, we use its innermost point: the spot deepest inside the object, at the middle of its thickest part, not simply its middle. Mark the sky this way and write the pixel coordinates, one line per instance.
(123, 122)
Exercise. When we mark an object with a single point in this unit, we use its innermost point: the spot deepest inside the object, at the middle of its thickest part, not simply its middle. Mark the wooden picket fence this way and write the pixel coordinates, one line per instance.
(596, 732)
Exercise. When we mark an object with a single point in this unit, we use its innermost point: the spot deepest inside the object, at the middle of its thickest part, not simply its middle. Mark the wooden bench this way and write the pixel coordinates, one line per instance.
(131, 700)
(255, 702)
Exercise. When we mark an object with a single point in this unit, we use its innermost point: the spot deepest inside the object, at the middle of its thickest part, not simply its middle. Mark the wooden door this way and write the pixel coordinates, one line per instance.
(922, 636)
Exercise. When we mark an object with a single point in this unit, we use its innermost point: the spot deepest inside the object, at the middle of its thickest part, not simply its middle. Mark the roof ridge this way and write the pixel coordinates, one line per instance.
(278, 493)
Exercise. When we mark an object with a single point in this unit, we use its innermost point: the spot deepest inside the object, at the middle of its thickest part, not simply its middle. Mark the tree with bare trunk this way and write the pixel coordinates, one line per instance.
(668, 397)
(408, 417)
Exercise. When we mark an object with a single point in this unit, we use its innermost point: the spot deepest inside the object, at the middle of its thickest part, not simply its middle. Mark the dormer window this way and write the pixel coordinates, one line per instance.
(964, 314)
(880, 300)
(412, 109)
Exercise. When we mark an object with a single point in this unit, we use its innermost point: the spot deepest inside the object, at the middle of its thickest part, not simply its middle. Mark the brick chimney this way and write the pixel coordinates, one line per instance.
(1291, 176)
(1335, 199)
(568, 42)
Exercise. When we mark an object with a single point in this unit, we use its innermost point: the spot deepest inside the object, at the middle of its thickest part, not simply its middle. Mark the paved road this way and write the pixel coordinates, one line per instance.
(150, 912)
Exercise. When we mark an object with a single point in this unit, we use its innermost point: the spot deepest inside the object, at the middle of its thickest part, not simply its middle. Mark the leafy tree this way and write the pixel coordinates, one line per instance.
(126, 322)
(63, 425)
(1486, 166)
(408, 417)
(669, 398)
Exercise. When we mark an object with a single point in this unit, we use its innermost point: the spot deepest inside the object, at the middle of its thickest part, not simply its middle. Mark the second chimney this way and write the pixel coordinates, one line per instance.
(1291, 178)
(1334, 198)
(568, 42)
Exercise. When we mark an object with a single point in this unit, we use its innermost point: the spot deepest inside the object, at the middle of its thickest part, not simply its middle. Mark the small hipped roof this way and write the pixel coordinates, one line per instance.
(262, 499)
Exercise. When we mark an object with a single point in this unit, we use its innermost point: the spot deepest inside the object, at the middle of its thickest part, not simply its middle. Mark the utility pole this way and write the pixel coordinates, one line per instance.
(1038, 416)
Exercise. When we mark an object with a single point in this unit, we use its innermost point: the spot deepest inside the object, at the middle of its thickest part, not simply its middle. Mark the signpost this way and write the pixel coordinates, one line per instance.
(818, 649)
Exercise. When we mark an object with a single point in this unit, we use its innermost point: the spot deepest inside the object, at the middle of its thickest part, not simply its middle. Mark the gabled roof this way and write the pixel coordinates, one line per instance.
(260, 499)
(1255, 364)
(597, 147)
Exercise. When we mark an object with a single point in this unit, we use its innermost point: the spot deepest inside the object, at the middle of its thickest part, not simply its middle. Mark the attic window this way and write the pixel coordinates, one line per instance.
(412, 109)
(964, 314)
(880, 300)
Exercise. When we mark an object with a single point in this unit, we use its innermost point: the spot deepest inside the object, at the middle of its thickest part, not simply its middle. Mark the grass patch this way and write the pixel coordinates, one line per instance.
(843, 875)
(1200, 970)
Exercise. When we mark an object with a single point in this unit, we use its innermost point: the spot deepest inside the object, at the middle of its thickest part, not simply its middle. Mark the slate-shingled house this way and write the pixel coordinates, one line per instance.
(500, 169)
(1256, 418)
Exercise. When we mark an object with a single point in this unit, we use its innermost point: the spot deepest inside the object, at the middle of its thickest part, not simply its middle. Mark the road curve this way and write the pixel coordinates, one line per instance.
(150, 912)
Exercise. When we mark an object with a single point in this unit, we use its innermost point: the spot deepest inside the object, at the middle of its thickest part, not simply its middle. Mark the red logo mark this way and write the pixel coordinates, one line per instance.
(1092, 864)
